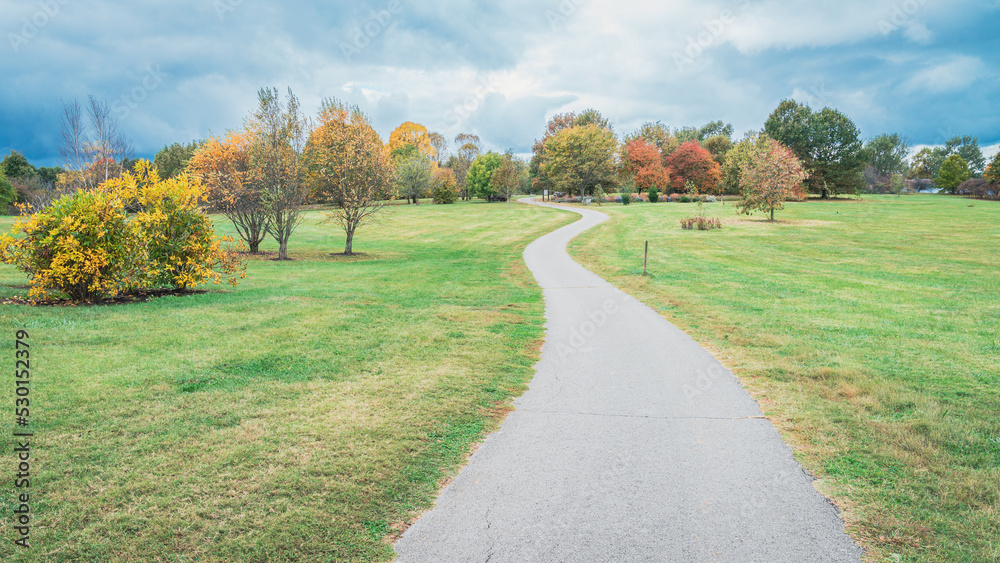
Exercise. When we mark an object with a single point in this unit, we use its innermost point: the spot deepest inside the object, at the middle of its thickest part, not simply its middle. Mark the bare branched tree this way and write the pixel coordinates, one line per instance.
(94, 150)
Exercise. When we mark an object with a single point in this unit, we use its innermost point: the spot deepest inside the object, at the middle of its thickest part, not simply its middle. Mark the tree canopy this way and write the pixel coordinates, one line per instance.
(346, 160)
(580, 158)
(826, 142)
(771, 174)
(479, 178)
(643, 163)
(692, 163)
(953, 172)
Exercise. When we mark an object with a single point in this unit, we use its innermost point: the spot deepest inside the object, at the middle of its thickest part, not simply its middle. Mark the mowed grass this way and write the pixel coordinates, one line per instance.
(870, 334)
(300, 416)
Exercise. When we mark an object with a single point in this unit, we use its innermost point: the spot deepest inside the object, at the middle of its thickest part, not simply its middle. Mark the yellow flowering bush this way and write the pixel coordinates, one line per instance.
(88, 246)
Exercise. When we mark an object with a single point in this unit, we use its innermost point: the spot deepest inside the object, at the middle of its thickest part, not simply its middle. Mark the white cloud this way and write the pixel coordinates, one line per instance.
(918, 33)
(951, 75)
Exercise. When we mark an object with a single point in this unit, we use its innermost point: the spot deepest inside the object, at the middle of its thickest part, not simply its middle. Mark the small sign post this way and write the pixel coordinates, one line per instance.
(645, 259)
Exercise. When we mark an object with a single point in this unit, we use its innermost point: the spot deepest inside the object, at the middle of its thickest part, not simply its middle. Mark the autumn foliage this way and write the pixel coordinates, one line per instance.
(415, 134)
(347, 162)
(692, 163)
(445, 188)
(88, 247)
(771, 174)
(224, 167)
(643, 162)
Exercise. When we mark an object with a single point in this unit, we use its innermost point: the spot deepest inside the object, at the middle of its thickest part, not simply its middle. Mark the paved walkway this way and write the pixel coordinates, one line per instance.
(632, 444)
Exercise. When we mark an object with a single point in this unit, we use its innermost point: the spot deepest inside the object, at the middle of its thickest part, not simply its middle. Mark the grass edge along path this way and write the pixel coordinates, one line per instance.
(866, 330)
(298, 417)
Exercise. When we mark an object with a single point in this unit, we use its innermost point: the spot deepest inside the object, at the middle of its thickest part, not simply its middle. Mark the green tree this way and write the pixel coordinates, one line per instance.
(953, 172)
(923, 164)
(826, 142)
(715, 128)
(580, 158)
(504, 180)
(50, 174)
(403, 152)
(469, 148)
(173, 159)
(8, 195)
(967, 147)
(15, 165)
(413, 177)
(719, 146)
(479, 178)
(896, 184)
(886, 154)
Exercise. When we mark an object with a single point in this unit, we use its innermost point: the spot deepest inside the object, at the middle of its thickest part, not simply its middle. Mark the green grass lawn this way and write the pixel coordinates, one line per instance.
(302, 415)
(870, 334)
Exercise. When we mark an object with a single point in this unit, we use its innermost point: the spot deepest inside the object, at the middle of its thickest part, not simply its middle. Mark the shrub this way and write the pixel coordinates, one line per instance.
(701, 223)
(654, 195)
(445, 189)
(674, 197)
(685, 199)
(82, 245)
(85, 246)
(626, 198)
(976, 187)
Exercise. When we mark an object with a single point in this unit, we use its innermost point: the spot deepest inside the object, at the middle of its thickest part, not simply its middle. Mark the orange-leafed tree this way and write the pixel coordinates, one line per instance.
(224, 166)
(771, 174)
(642, 162)
(415, 134)
(692, 163)
(346, 161)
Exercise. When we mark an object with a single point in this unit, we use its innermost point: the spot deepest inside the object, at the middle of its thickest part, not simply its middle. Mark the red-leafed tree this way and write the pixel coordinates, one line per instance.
(692, 163)
(771, 174)
(643, 163)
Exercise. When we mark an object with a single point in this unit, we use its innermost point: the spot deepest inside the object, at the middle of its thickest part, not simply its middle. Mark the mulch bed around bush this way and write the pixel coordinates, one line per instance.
(137, 296)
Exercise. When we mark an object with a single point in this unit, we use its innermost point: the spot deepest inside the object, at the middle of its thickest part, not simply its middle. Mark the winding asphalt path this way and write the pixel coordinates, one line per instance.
(632, 443)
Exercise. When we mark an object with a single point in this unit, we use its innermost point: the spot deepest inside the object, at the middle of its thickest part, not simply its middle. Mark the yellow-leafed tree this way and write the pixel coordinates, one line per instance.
(347, 162)
(415, 134)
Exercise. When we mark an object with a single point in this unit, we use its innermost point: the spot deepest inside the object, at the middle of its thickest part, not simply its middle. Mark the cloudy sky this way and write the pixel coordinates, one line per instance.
(177, 70)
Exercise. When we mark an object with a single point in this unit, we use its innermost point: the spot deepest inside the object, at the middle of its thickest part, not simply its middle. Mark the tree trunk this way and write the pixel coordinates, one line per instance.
(283, 250)
(254, 247)
(348, 249)
(772, 214)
